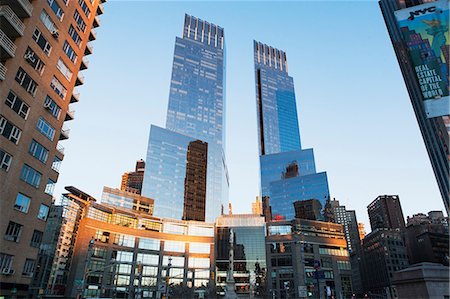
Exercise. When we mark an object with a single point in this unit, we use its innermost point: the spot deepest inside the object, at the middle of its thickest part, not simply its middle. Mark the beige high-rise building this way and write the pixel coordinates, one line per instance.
(42, 49)
(257, 206)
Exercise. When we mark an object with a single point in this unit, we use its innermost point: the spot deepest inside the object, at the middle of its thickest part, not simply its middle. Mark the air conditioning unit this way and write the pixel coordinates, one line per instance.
(55, 33)
(48, 105)
(29, 56)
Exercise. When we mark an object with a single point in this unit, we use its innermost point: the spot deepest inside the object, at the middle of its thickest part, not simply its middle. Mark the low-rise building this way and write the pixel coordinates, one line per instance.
(383, 253)
(307, 257)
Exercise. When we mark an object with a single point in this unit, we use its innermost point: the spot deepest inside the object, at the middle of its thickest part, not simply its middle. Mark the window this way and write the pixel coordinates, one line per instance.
(102, 236)
(22, 203)
(58, 88)
(74, 35)
(52, 107)
(13, 231)
(45, 128)
(28, 268)
(5, 160)
(150, 244)
(50, 187)
(176, 261)
(56, 164)
(195, 262)
(42, 42)
(31, 176)
(123, 256)
(148, 271)
(43, 212)
(33, 59)
(62, 67)
(17, 105)
(174, 246)
(147, 259)
(344, 265)
(48, 23)
(199, 248)
(79, 20)
(99, 252)
(56, 9)
(124, 240)
(26, 81)
(70, 52)
(5, 262)
(9, 130)
(84, 8)
(36, 239)
(38, 151)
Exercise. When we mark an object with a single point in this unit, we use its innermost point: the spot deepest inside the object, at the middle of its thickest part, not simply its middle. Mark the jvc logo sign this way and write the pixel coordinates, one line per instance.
(419, 12)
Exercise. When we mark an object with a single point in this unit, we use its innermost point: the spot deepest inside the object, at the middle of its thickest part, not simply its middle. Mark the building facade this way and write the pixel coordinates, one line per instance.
(427, 238)
(57, 248)
(434, 130)
(196, 110)
(127, 200)
(249, 268)
(42, 49)
(383, 254)
(307, 258)
(120, 254)
(386, 212)
(132, 181)
(288, 173)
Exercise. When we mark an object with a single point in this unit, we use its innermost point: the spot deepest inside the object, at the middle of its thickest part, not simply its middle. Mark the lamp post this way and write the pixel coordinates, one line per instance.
(168, 277)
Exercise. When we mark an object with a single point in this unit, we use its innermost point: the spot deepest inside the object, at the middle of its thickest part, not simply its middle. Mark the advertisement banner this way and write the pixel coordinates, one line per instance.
(425, 32)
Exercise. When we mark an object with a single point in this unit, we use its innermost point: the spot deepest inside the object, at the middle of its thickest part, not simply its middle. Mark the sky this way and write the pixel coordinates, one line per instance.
(353, 106)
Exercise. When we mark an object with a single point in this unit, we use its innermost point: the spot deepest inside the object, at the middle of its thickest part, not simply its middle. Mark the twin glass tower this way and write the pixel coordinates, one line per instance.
(186, 172)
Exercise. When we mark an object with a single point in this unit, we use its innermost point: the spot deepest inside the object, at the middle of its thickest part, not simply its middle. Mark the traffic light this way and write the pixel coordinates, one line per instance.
(310, 290)
(212, 275)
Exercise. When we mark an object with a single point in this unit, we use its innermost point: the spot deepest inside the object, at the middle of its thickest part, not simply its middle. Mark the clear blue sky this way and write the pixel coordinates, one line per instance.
(352, 102)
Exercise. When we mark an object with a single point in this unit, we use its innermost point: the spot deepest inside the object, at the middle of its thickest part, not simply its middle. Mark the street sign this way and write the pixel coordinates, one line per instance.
(162, 287)
(302, 291)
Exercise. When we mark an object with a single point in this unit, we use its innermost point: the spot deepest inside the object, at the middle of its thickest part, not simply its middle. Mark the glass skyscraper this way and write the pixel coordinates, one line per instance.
(196, 112)
(435, 130)
(288, 172)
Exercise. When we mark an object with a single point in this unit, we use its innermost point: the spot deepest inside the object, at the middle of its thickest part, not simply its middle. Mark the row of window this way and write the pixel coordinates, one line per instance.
(151, 244)
(6, 262)
(14, 231)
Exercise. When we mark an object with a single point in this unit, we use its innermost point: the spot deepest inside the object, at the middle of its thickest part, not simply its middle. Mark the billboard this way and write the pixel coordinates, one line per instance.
(425, 32)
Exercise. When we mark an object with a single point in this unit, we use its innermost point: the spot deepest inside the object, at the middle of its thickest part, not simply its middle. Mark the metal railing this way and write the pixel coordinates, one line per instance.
(3, 70)
(13, 18)
(7, 44)
(26, 5)
(60, 148)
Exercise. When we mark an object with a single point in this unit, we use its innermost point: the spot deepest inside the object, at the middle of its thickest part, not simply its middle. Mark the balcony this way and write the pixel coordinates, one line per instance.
(96, 22)
(70, 115)
(88, 49)
(80, 80)
(22, 8)
(64, 133)
(60, 149)
(84, 64)
(3, 70)
(7, 45)
(92, 35)
(100, 9)
(11, 24)
(75, 98)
